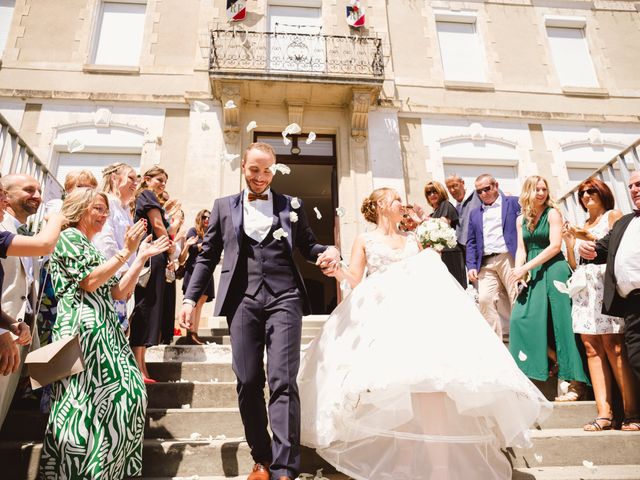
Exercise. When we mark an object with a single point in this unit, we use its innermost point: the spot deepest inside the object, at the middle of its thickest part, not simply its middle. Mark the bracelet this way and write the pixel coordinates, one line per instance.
(120, 257)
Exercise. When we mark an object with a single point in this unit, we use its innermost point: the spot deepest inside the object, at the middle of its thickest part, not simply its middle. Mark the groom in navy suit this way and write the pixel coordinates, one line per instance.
(262, 294)
(492, 242)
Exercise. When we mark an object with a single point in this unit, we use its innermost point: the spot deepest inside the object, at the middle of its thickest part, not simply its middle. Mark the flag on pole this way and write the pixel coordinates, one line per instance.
(355, 14)
(236, 10)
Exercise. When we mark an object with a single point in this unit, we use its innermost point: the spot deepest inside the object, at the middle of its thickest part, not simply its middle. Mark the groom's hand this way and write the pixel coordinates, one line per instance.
(328, 260)
(185, 316)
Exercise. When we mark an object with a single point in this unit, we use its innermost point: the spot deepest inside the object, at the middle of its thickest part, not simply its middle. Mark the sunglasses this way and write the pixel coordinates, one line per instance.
(430, 192)
(590, 191)
(480, 191)
(205, 217)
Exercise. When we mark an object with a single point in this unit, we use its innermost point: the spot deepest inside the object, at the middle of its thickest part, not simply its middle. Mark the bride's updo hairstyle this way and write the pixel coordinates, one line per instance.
(370, 204)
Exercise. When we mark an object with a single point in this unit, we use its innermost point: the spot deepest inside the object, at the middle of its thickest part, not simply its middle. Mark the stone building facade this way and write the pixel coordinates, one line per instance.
(424, 89)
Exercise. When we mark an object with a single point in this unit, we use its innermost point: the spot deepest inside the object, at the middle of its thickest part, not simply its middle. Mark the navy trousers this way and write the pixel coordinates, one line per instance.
(275, 322)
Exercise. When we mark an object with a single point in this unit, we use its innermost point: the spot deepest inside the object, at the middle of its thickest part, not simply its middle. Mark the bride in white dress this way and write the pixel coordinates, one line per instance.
(407, 381)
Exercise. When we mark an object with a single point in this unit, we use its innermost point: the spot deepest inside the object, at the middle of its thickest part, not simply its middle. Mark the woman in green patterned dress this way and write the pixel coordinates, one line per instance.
(541, 327)
(95, 429)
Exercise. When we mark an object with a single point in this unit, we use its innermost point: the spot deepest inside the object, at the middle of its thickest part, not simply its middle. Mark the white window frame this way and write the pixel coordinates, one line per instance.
(573, 23)
(3, 46)
(468, 18)
(97, 23)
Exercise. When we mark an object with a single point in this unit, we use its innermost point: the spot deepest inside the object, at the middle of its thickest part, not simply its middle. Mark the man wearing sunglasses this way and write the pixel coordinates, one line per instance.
(620, 250)
(492, 242)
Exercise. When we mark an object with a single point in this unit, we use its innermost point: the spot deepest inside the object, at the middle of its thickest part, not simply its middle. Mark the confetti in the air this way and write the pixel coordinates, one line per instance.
(293, 216)
(251, 125)
(200, 107)
(279, 234)
(538, 457)
(340, 211)
(285, 140)
(292, 129)
(74, 145)
(280, 167)
(318, 214)
(295, 202)
(230, 104)
(522, 356)
(310, 138)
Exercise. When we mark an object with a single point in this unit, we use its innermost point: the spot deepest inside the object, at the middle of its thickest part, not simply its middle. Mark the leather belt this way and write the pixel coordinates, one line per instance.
(484, 257)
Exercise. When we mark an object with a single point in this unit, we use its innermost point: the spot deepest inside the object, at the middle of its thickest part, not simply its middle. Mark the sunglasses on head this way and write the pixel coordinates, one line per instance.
(590, 191)
(480, 191)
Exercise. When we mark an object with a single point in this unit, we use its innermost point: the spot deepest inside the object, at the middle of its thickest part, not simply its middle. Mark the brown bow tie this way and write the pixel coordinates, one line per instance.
(258, 196)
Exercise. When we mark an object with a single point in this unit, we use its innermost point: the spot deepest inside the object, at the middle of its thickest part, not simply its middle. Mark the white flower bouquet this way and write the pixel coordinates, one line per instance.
(437, 234)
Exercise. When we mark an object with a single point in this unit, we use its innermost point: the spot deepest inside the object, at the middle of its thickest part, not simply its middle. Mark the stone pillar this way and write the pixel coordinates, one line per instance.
(230, 178)
(385, 152)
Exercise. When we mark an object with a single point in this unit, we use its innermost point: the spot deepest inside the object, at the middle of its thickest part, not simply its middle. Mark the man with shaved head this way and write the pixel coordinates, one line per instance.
(18, 288)
(620, 250)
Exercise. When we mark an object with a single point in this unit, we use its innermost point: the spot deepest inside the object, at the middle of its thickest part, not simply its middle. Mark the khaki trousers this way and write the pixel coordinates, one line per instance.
(495, 287)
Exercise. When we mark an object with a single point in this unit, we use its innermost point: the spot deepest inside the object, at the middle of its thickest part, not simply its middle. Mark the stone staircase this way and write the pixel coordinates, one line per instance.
(194, 429)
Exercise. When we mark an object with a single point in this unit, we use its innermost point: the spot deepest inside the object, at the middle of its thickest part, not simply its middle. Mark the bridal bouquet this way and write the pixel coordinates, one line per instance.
(437, 234)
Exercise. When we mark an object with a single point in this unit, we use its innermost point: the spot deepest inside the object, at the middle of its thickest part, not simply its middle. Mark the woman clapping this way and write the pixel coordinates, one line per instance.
(105, 404)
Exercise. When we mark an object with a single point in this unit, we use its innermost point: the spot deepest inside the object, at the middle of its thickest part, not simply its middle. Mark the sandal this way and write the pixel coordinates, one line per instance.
(631, 424)
(577, 391)
(596, 426)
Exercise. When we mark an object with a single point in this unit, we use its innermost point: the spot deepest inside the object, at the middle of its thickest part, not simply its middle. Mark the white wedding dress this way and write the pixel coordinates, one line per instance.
(406, 380)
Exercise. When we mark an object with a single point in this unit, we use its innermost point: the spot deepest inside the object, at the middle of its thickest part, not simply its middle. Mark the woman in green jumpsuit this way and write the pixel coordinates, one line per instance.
(541, 317)
(96, 426)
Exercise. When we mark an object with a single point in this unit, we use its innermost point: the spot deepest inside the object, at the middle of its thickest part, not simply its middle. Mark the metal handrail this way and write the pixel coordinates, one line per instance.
(569, 202)
(17, 157)
(238, 50)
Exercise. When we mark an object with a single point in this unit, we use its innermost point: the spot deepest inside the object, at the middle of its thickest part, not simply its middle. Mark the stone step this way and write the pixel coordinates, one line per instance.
(570, 415)
(226, 339)
(192, 371)
(600, 472)
(195, 395)
(163, 423)
(189, 353)
(560, 447)
(218, 332)
(229, 457)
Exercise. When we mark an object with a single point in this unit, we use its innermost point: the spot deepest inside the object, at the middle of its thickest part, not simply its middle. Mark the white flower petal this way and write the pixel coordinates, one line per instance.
(310, 138)
(318, 214)
(199, 106)
(251, 125)
(295, 202)
(293, 216)
(589, 465)
(205, 126)
(230, 104)
(561, 286)
(279, 234)
(229, 157)
(186, 406)
(292, 129)
(74, 145)
(195, 436)
(522, 356)
(340, 211)
(280, 167)
(538, 457)
(285, 140)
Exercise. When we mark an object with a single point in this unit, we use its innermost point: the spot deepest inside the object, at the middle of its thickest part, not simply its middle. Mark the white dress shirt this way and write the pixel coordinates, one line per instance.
(627, 263)
(258, 215)
(27, 262)
(492, 228)
(111, 238)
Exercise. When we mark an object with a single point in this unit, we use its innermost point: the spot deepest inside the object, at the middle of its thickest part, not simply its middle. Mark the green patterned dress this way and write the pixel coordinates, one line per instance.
(541, 314)
(96, 426)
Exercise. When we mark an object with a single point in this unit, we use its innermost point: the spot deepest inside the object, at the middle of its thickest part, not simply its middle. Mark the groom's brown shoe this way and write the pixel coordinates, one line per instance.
(260, 471)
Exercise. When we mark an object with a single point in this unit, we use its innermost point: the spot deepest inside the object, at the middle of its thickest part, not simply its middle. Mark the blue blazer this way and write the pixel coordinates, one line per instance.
(475, 239)
(225, 234)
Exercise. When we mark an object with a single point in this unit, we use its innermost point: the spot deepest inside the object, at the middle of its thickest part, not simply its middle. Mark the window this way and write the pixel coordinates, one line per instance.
(120, 31)
(505, 175)
(94, 162)
(570, 52)
(460, 48)
(6, 14)
(296, 44)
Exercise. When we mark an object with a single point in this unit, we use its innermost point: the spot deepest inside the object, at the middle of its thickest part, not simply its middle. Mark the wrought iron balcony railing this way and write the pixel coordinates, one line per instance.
(247, 53)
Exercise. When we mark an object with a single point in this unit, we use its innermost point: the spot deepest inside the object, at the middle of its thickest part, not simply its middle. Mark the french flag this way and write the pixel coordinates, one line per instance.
(355, 14)
(236, 10)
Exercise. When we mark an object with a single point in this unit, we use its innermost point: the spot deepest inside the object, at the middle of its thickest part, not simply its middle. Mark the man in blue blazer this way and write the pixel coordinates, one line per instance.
(491, 248)
(263, 297)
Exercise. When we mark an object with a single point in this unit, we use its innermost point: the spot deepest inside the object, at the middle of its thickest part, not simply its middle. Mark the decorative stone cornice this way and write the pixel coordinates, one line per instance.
(226, 92)
(296, 111)
(360, 103)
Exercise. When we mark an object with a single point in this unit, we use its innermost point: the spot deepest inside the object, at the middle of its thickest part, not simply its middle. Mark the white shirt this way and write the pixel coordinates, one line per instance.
(258, 215)
(492, 228)
(27, 262)
(111, 238)
(627, 263)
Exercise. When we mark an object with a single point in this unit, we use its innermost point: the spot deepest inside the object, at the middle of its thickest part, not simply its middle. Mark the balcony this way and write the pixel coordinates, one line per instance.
(241, 54)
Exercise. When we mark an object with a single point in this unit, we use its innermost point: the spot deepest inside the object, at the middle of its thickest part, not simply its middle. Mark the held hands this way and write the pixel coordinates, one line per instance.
(518, 275)
(587, 250)
(472, 275)
(328, 260)
(9, 355)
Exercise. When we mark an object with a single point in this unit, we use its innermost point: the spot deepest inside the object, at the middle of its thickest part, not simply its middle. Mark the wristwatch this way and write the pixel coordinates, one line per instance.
(187, 301)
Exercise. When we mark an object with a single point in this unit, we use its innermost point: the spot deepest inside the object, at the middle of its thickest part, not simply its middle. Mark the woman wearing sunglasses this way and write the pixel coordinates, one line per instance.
(602, 335)
(190, 251)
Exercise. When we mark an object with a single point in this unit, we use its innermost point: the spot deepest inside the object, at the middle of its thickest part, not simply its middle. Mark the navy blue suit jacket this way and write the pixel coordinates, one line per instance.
(225, 233)
(475, 239)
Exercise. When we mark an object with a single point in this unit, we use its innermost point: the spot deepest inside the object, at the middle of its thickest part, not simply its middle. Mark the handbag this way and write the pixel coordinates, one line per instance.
(60, 359)
(145, 274)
